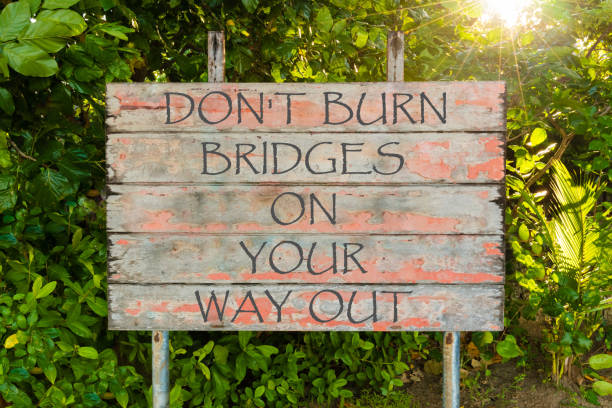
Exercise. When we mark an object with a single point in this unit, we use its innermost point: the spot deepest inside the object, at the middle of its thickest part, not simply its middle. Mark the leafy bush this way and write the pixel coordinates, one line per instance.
(571, 281)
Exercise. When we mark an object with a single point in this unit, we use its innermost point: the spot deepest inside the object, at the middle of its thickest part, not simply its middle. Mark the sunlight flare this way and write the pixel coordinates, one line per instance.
(511, 12)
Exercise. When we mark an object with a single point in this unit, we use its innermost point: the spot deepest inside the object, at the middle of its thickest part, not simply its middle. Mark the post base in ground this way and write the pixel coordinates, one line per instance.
(450, 366)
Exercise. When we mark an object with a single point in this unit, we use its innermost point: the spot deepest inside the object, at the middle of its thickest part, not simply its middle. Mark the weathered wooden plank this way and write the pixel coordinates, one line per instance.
(191, 258)
(243, 209)
(306, 158)
(395, 56)
(306, 307)
(292, 107)
(216, 56)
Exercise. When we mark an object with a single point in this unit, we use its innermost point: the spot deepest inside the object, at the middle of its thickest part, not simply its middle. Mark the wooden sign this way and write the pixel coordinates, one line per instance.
(365, 206)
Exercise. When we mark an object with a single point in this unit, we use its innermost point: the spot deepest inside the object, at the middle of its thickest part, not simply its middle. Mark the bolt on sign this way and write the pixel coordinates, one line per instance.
(362, 206)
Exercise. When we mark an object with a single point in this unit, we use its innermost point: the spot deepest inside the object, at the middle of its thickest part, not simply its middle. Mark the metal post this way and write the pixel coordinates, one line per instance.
(161, 372)
(450, 381)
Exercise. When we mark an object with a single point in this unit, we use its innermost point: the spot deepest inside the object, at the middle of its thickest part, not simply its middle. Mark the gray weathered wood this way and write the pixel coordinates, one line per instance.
(195, 258)
(216, 56)
(246, 209)
(433, 229)
(424, 307)
(427, 158)
(470, 106)
(395, 56)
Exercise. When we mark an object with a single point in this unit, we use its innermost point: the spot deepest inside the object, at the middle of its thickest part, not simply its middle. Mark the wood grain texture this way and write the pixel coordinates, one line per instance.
(395, 56)
(324, 241)
(216, 56)
(321, 307)
(470, 106)
(192, 258)
(245, 209)
(315, 158)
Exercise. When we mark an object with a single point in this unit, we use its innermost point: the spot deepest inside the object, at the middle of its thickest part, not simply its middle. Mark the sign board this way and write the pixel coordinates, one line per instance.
(362, 206)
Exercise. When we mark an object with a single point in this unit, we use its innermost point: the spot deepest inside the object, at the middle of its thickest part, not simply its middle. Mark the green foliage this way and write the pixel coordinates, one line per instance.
(27, 36)
(56, 57)
(571, 282)
(280, 370)
(601, 386)
(508, 348)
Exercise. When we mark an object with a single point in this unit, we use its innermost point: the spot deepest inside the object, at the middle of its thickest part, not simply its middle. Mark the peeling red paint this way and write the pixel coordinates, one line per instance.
(397, 222)
(492, 145)
(130, 102)
(424, 166)
(493, 168)
(492, 248)
(360, 220)
(431, 146)
(219, 276)
(187, 307)
(216, 227)
(123, 242)
(160, 222)
(248, 227)
(162, 307)
(133, 312)
(449, 276)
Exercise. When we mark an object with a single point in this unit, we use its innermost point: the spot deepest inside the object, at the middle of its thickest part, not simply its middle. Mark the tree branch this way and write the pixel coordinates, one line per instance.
(19, 151)
(598, 40)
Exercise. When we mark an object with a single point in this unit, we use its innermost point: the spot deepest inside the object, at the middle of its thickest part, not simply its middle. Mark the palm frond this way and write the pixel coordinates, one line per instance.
(573, 231)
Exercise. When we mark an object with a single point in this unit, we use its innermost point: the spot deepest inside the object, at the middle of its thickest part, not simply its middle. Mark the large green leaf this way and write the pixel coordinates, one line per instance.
(70, 19)
(250, 5)
(602, 388)
(47, 35)
(8, 198)
(34, 5)
(6, 101)
(79, 328)
(324, 20)
(52, 185)
(46, 44)
(4, 65)
(600, 361)
(508, 348)
(88, 74)
(13, 19)
(30, 60)
(116, 30)
(7, 240)
(57, 4)
(537, 136)
(88, 352)
(98, 305)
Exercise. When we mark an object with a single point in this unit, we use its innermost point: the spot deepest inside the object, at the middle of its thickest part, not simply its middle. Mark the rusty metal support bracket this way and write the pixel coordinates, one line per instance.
(450, 381)
(161, 372)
